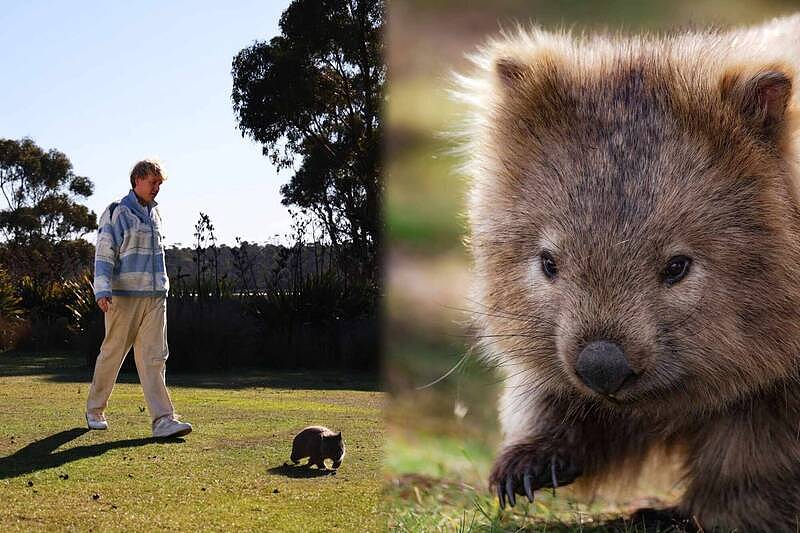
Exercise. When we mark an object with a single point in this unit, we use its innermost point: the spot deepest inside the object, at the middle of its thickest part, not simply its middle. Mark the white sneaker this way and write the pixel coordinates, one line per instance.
(169, 426)
(96, 421)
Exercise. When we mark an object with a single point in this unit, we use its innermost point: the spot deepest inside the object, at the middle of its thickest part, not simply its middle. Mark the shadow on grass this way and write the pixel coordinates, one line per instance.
(39, 455)
(67, 368)
(299, 471)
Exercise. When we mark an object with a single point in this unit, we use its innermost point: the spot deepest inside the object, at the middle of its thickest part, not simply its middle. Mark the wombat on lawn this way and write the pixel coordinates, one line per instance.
(318, 443)
(636, 240)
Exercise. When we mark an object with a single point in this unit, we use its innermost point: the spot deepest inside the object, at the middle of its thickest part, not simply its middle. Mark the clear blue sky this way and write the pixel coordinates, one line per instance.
(109, 83)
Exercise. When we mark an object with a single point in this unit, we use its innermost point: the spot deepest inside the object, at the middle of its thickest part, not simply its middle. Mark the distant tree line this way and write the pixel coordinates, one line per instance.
(246, 267)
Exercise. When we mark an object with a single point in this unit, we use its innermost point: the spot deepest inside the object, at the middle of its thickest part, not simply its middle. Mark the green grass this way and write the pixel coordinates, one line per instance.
(438, 483)
(226, 475)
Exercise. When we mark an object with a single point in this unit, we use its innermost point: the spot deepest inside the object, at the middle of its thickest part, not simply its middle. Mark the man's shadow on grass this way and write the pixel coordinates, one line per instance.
(300, 471)
(39, 455)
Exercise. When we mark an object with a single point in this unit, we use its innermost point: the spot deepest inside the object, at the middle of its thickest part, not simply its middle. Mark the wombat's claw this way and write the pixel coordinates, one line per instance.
(526, 482)
(523, 472)
(512, 498)
(508, 490)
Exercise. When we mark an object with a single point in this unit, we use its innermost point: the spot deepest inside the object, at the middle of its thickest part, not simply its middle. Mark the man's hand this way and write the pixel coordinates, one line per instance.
(104, 303)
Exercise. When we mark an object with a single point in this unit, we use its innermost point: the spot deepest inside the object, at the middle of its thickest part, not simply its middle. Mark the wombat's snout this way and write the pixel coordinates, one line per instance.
(603, 367)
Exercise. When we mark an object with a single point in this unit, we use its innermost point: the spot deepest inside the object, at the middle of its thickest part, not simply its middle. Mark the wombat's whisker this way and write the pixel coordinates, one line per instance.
(498, 335)
(536, 380)
(514, 356)
(507, 313)
(444, 376)
(692, 311)
(518, 341)
(499, 314)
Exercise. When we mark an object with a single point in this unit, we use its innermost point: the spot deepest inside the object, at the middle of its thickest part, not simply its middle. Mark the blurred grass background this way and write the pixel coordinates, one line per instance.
(441, 439)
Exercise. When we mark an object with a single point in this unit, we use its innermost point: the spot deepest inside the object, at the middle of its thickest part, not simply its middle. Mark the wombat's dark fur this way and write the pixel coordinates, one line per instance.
(636, 242)
(318, 443)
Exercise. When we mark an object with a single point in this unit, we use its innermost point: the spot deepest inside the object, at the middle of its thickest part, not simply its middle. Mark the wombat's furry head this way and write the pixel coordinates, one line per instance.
(634, 226)
(333, 447)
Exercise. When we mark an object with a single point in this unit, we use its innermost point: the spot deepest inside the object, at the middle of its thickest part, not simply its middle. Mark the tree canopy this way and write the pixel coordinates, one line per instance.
(39, 190)
(42, 220)
(312, 96)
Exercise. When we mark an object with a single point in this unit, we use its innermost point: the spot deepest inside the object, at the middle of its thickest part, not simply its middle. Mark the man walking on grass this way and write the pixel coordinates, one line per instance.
(130, 286)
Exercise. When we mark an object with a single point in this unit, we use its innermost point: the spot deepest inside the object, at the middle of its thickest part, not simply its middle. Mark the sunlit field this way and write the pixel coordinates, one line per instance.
(228, 474)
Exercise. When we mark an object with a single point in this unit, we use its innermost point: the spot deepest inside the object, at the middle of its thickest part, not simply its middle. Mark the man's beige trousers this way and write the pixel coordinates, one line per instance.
(141, 323)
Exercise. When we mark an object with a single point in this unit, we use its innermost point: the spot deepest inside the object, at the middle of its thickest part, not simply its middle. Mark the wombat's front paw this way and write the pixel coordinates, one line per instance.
(523, 468)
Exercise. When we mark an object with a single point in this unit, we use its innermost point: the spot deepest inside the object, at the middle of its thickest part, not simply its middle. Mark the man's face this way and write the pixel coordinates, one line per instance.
(147, 187)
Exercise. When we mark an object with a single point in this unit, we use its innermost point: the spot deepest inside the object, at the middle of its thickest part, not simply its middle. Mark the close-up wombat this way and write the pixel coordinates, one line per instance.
(636, 241)
(318, 443)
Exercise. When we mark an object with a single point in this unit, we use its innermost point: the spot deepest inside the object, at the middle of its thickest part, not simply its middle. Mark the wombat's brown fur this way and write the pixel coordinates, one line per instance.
(636, 242)
(318, 443)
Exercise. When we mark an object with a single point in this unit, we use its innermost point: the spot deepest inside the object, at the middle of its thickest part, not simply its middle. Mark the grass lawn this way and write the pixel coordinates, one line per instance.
(226, 475)
(438, 483)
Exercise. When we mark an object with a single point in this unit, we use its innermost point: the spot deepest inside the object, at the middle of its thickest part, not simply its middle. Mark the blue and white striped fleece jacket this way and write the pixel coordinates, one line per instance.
(129, 260)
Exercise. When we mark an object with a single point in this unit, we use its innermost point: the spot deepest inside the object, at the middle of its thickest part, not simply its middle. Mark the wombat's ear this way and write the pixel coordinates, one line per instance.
(761, 98)
(534, 79)
(510, 72)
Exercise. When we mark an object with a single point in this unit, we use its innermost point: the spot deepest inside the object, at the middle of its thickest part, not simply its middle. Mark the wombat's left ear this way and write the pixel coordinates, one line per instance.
(762, 98)
(510, 72)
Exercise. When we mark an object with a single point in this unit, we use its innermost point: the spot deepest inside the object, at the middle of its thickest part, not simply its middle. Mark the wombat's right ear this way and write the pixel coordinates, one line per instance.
(762, 98)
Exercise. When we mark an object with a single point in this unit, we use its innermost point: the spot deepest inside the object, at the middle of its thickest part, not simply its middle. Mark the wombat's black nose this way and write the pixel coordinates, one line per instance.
(603, 367)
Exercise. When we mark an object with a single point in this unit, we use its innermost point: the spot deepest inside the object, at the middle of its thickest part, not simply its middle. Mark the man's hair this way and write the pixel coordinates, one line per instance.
(146, 167)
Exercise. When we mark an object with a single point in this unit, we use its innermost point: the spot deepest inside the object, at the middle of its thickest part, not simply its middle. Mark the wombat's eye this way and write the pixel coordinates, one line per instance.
(676, 269)
(548, 265)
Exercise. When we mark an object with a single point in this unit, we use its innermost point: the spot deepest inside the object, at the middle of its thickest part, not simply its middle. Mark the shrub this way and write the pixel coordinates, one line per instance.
(324, 321)
(11, 313)
(59, 313)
